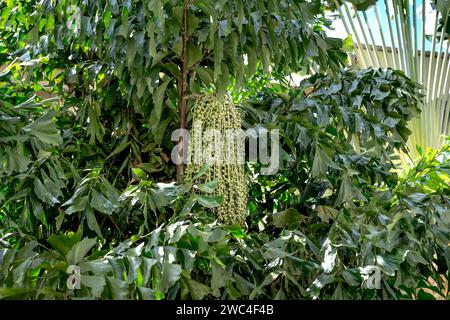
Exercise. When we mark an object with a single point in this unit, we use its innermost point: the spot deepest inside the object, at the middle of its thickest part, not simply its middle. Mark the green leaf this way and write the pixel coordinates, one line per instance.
(177, 47)
(197, 289)
(119, 288)
(287, 218)
(92, 222)
(45, 130)
(119, 149)
(203, 170)
(206, 75)
(79, 204)
(223, 28)
(100, 203)
(443, 6)
(208, 187)
(177, 13)
(107, 17)
(63, 243)
(352, 277)
(42, 193)
(209, 201)
(340, 293)
(347, 44)
(251, 58)
(345, 194)
(422, 295)
(236, 231)
(147, 269)
(218, 278)
(20, 271)
(16, 162)
(218, 57)
(16, 293)
(414, 258)
(391, 122)
(256, 17)
(270, 278)
(190, 203)
(170, 275)
(158, 99)
(80, 250)
(131, 51)
(321, 163)
(25, 219)
(389, 263)
(133, 267)
(193, 23)
(147, 293)
(97, 267)
(326, 213)
(194, 55)
(95, 283)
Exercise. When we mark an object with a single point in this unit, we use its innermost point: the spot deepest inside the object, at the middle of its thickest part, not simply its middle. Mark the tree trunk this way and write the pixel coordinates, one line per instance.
(183, 85)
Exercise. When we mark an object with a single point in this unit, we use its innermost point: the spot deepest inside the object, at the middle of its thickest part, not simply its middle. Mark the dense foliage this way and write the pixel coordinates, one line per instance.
(89, 96)
(127, 67)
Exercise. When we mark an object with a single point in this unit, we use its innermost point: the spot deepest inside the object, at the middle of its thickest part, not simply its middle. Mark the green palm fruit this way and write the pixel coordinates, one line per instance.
(219, 114)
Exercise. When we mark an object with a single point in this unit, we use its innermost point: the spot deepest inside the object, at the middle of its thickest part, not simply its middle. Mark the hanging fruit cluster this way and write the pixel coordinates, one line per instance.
(215, 140)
